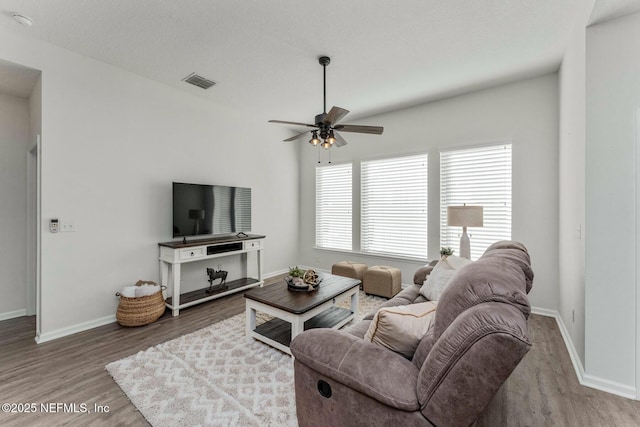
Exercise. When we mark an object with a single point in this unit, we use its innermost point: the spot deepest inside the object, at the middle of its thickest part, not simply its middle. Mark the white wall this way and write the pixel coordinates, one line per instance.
(524, 112)
(112, 144)
(571, 239)
(14, 137)
(613, 97)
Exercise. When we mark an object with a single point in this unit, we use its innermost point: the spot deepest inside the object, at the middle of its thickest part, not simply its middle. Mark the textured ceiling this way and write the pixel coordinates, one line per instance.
(263, 54)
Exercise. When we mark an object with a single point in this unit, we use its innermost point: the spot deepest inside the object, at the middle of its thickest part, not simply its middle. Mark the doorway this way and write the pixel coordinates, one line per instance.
(20, 155)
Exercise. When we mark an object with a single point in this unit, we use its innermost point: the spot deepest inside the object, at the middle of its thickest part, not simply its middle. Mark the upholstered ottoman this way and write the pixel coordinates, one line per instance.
(382, 280)
(350, 269)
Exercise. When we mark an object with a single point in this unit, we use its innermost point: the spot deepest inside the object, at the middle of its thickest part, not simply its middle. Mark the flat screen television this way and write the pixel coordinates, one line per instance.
(210, 209)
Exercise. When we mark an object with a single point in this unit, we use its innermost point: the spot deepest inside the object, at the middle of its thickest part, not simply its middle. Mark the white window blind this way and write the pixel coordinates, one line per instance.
(394, 206)
(333, 206)
(222, 209)
(479, 176)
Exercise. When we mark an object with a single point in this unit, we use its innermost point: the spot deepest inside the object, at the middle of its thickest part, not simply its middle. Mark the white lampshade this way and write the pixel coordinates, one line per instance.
(465, 216)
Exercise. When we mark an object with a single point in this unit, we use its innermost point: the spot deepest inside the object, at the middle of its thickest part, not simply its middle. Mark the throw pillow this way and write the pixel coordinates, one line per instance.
(458, 262)
(401, 328)
(441, 275)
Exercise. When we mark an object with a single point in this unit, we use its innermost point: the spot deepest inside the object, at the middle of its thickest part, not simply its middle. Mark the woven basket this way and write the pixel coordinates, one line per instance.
(141, 310)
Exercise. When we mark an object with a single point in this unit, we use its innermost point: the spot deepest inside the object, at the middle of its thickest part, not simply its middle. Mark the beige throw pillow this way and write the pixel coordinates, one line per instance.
(441, 275)
(457, 262)
(401, 328)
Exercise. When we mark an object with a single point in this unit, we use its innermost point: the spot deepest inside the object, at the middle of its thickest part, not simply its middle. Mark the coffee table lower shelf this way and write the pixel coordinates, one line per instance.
(279, 330)
(294, 312)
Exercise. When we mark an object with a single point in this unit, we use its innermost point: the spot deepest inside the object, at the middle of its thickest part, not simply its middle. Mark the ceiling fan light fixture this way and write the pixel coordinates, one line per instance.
(315, 140)
(332, 139)
(326, 145)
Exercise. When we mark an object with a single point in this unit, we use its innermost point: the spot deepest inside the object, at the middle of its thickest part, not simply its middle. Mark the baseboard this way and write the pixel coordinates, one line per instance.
(566, 337)
(545, 312)
(63, 332)
(275, 273)
(583, 378)
(13, 314)
(74, 329)
(609, 386)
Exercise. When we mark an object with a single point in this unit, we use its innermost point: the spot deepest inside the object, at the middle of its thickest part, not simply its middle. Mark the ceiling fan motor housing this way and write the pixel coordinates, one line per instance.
(322, 125)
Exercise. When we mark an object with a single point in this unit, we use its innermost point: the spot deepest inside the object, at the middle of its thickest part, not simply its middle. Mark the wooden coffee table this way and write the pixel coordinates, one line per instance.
(295, 312)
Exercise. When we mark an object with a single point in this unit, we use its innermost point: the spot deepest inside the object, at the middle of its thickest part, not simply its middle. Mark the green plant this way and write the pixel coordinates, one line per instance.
(296, 272)
(446, 251)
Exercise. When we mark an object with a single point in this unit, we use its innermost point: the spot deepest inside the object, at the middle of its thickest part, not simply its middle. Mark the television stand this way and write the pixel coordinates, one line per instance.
(174, 254)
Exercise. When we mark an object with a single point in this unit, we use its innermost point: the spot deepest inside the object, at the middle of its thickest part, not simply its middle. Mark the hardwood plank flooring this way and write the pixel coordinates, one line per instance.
(542, 391)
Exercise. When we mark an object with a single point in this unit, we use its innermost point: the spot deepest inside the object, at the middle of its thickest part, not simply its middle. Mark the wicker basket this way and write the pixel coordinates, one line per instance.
(141, 310)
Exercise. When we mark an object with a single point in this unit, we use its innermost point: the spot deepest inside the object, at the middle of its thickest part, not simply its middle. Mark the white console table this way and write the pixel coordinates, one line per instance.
(174, 254)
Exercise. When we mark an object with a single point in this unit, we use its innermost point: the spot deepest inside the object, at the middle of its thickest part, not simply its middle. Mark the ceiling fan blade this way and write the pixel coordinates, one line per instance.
(377, 130)
(335, 115)
(292, 123)
(300, 135)
(340, 141)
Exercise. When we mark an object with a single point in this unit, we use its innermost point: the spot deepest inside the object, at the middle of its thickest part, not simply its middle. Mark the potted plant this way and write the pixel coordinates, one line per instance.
(445, 252)
(296, 272)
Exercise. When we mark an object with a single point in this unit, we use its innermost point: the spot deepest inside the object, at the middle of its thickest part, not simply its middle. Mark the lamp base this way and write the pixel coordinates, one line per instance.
(465, 244)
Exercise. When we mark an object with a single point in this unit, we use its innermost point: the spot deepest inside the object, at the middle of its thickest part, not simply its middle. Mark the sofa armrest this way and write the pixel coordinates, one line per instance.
(421, 274)
(368, 368)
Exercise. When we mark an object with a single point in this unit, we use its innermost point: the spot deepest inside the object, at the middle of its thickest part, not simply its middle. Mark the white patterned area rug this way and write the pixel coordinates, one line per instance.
(214, 377)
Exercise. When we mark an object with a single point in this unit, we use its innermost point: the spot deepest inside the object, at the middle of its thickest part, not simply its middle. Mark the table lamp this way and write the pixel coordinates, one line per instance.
(196, 215)
(464, 216)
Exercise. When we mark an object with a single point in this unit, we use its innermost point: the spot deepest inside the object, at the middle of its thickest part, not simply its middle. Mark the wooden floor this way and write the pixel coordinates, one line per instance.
(543, 391)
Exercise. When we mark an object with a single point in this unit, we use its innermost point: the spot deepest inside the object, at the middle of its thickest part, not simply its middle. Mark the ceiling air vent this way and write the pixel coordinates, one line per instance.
(199, 81)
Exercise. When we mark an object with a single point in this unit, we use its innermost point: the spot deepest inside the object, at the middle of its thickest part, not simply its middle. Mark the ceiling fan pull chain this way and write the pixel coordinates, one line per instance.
(318, 155)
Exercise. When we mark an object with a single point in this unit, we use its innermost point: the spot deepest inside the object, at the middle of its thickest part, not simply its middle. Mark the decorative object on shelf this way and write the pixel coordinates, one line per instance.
(326, 124)
(465, 216)
(301, 280)
(296, 272)
(139, 311)
(215, 275)
(444, 252)
(311, 277)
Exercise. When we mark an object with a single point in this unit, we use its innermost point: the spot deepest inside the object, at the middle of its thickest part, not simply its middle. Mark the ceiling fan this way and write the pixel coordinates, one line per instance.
(326, 124)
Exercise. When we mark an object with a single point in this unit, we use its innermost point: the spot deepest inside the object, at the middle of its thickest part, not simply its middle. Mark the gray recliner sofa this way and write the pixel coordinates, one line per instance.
(478, 337)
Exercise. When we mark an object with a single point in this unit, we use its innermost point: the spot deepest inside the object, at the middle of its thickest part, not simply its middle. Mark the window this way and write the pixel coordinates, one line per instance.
(477, 176)
(333, 206)
(394, 206)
